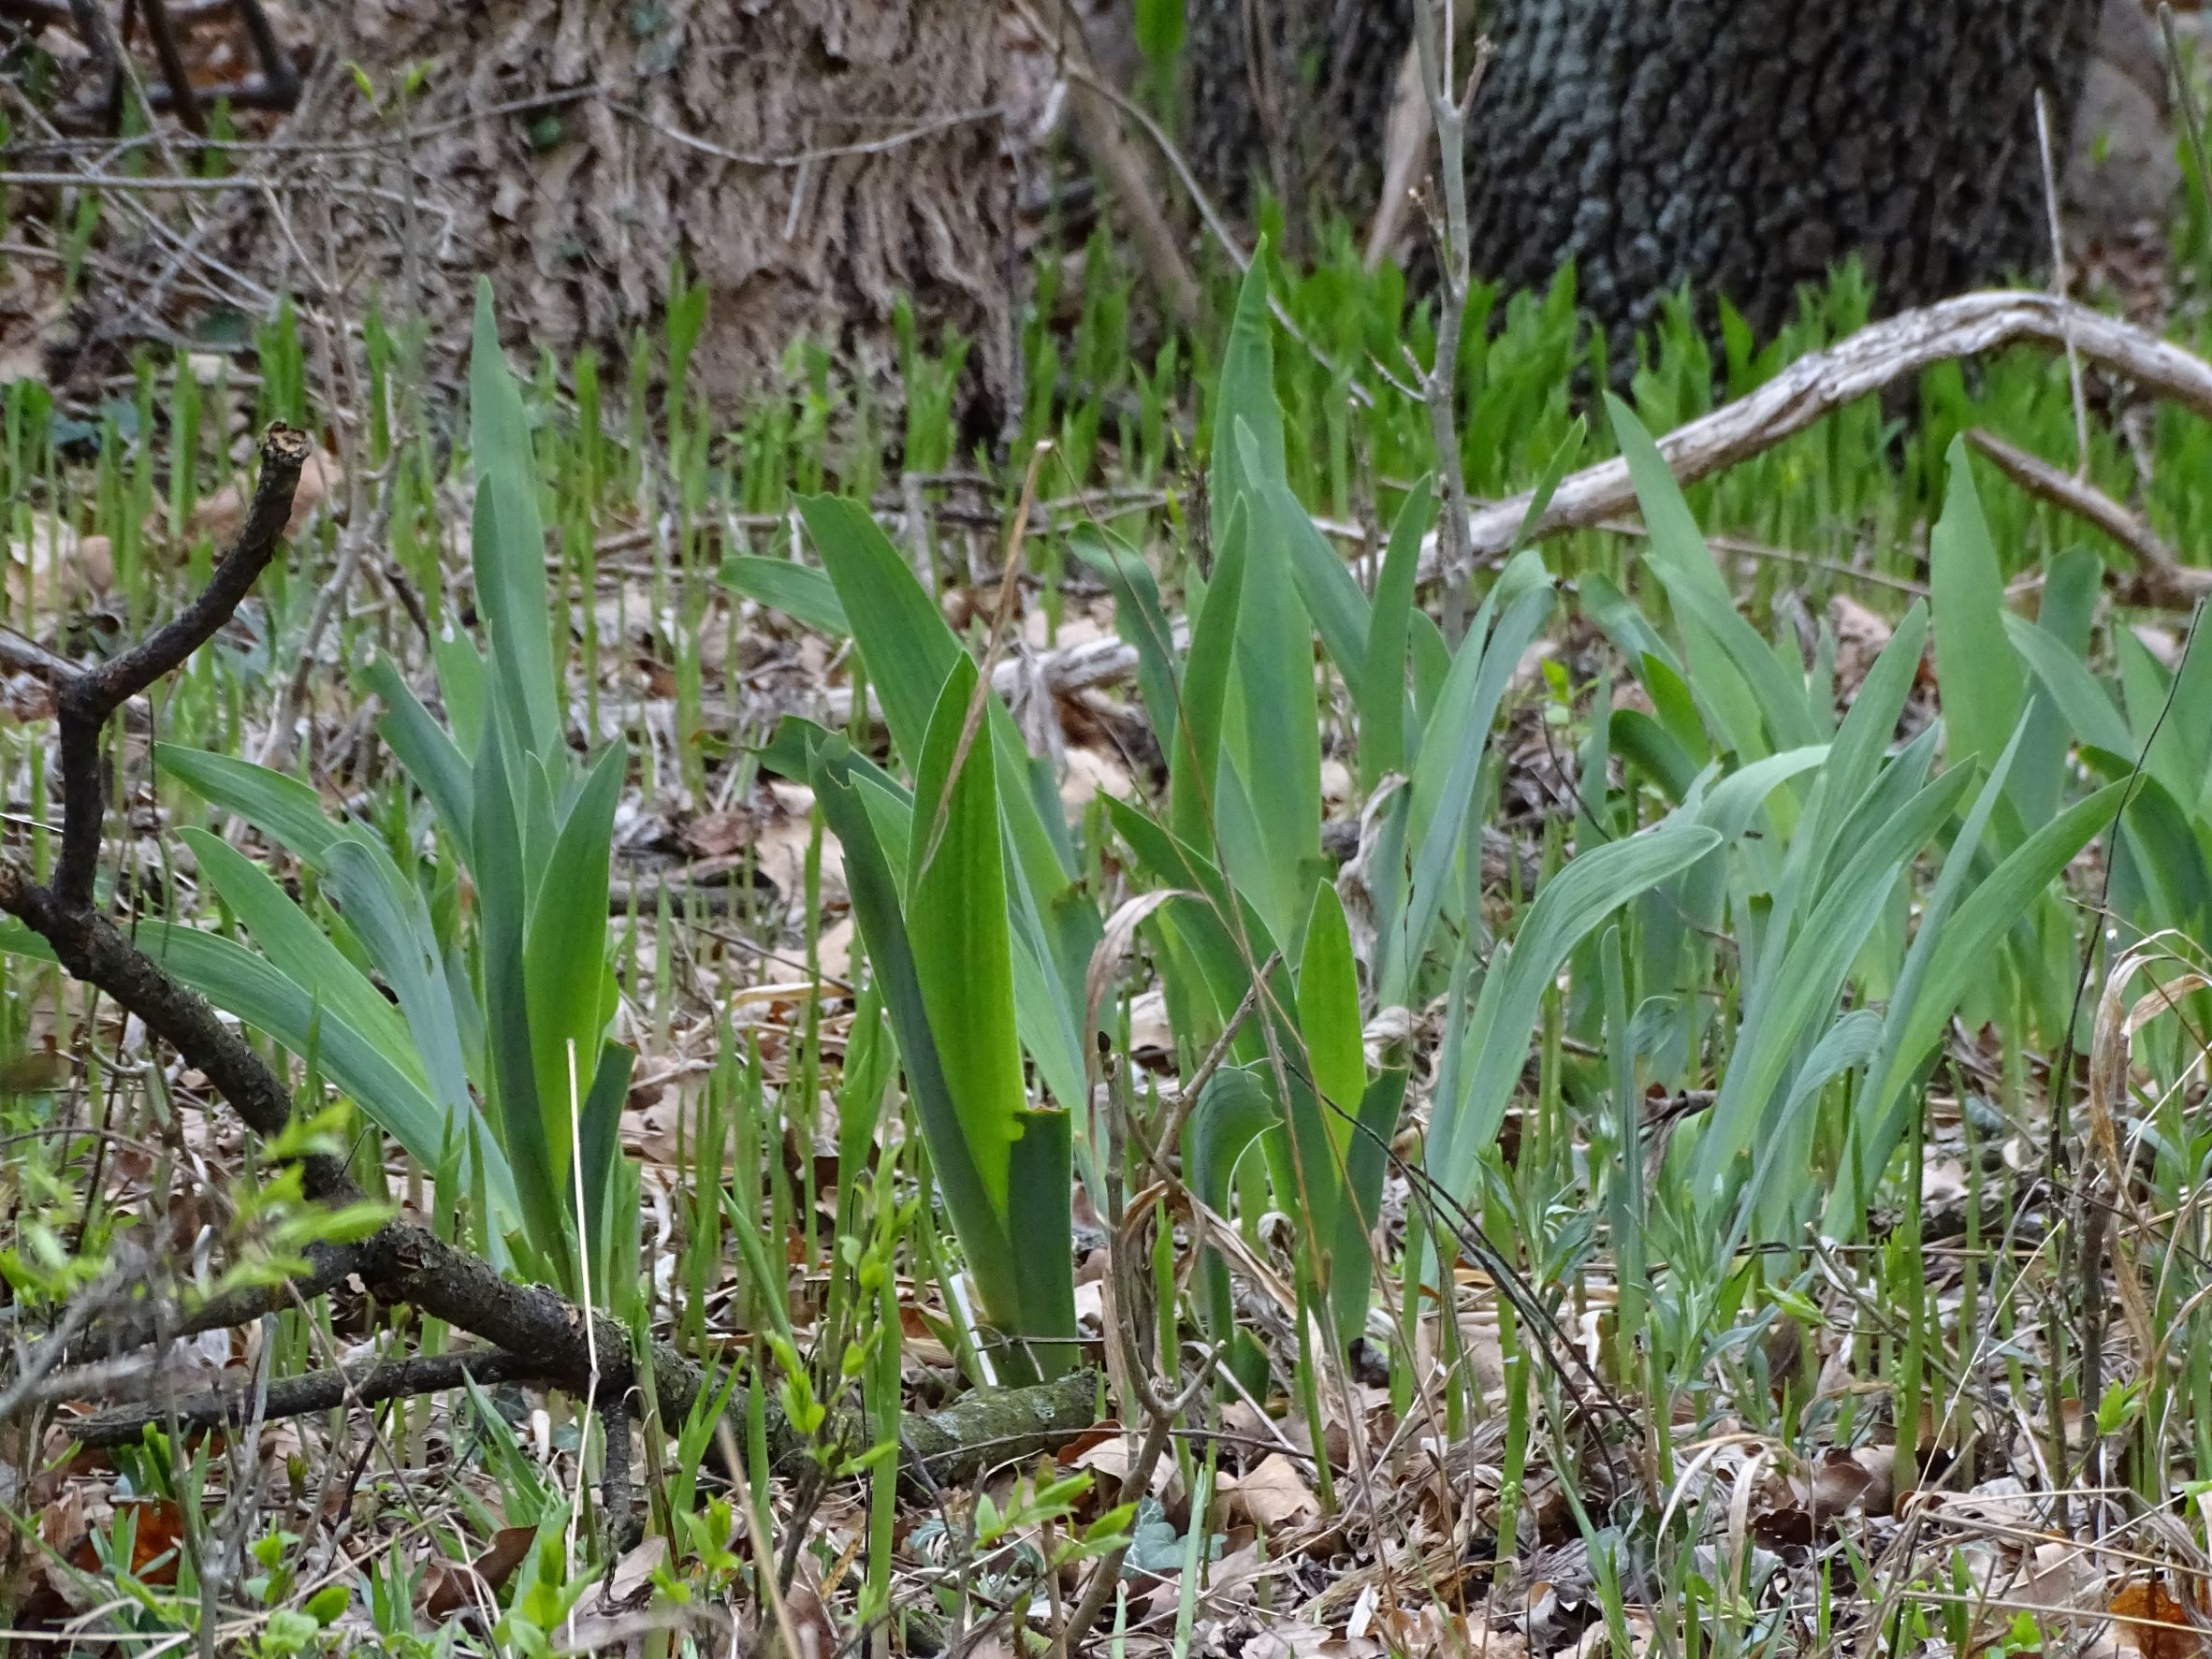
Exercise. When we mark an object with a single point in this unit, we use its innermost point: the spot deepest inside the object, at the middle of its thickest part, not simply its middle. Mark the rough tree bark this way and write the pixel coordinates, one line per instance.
(1746, 145)
(1293, 96)
(810, 162)
(1741, 146)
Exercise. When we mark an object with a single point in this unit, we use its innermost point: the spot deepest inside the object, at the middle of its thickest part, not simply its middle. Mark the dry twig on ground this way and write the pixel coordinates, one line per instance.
(2160, 580)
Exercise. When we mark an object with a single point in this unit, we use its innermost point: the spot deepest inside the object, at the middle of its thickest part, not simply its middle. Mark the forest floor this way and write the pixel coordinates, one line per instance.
(1824, 1264)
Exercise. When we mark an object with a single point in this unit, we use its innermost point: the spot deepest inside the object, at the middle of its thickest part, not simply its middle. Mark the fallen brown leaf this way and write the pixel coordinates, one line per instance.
(153, 1544)
(632, 1577)
(2154, 1623)
(1273, 1493)
(453, 1587)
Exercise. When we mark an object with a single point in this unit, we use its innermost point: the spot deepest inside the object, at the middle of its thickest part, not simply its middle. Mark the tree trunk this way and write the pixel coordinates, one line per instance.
(808, 162)
(1292, 97)
(1743, 146)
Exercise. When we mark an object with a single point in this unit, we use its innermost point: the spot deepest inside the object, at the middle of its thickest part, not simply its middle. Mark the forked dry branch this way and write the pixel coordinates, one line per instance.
(1818, 384)
(1803, 394)
(532, 1332)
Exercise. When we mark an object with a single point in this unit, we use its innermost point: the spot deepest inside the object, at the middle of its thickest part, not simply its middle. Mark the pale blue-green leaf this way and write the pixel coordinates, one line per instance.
(1233, 1110)
(282, 807)
(2073, 583)
(1808, 974)
(902, 636)
(503, 898)
(508, 539)
(1848, 1044)
(1040, 1227)
(1960, 956)
(1329, 1012)
(1382, 678)
(1445, 772)
(301, 950)
(1277, 743)
(1979, 677)
(388, 916)
(1568, 910)
(439, 768)
(460, 686)
(1141, 621)
(1196, 755)
(879, 916)
(800, 591)
(956, 921)
(565, 971)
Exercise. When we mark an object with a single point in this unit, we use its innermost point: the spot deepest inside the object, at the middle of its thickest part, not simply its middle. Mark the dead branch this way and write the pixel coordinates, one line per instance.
(534, 1330)
(1802, 394)
(2159, 580)
(85, 701)
(173, 73)
(279, 79)
(23, 655)
(1406, 157)
(302, 1396)
(1440, 383)
(158, 1318)
(1817, 386)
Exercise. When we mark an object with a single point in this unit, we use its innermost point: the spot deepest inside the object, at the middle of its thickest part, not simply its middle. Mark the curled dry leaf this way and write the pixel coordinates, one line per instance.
(45, 569)
(633, 1578)
(1272, 1495)
(714, 835)
(1110, 1456)
(2062, 1577)
(1112, 949)
(1152, 1039)
(1861, 633)
(1088, 774)
(1071, 1452)
(219, 515)
(833, 951)
(811, 1625)
(159, 1531)
(1598, 1641)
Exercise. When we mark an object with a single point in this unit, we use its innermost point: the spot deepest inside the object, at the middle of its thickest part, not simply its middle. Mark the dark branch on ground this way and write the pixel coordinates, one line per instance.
(302, 1396)
(535, 1334)
(86, 700)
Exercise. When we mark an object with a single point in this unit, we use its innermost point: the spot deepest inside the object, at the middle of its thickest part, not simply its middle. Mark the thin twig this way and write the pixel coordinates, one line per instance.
(2050, 206)
(1098, 130)
(2161, 579)
(353, 542)
(1208, 213)
(1158, 1435)
(278, 75)
(156, 183)
(928, 127)
(178, 80)
(1440, 385)
(1001, 614)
